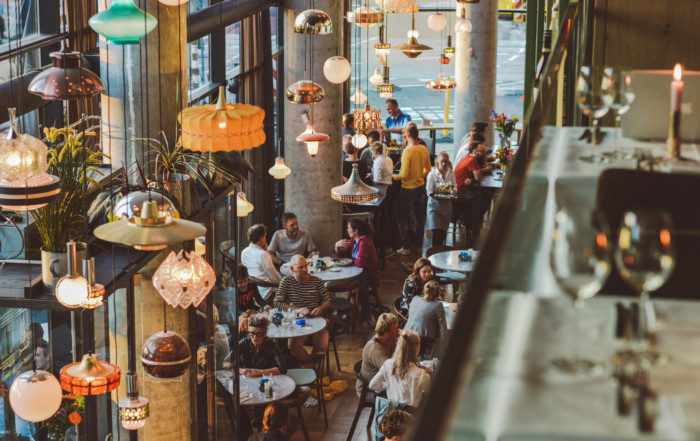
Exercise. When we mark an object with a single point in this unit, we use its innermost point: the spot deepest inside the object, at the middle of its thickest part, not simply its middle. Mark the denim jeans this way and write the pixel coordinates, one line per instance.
(412, 205)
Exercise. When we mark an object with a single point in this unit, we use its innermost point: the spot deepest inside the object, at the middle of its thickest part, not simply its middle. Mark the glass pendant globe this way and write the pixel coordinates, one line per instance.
(358, 97)
(123, 23)
(376, 78)
(463, 25)
(337, 69)
(359, 140)
(243, 207)
(22, 156)
(280, 170)
(437, 22)
(72, 292)
(35, 396)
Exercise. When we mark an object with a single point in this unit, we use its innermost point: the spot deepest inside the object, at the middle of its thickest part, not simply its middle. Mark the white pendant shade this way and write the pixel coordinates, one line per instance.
(243, 207)
(358, 97)
(35, 396)
(437, 22)
(280, 170)
(337, 69)
(376, 78)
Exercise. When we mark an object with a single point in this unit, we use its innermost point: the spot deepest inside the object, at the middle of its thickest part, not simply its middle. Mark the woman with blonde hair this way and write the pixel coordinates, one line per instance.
(440, 181)
(426, 316)
(401, 376)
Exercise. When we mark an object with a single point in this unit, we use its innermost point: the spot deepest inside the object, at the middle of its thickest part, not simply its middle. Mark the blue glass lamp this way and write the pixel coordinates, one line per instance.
(123, 22)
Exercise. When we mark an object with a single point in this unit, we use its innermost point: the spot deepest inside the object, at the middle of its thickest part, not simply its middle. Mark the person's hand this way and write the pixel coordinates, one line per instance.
(251, 373)
(267, 308)
(227, 365)
(315, 313)
(426, 369)
(468, 181)
(453, 191)
(304, 311)
(487, 169)
(342, 243)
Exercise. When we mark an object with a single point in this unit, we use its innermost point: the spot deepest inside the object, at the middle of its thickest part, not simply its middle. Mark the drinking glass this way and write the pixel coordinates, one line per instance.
(580, 261)
(592, 95)
(621, 95)
(645, 259)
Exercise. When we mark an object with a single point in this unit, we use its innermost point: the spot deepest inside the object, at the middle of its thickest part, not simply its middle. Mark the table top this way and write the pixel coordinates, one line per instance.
(312, 326)
(449, 261)
(329, 275)
(282, 387)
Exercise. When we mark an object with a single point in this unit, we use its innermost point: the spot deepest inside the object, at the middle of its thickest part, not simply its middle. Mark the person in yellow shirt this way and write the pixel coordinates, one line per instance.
(415, 166)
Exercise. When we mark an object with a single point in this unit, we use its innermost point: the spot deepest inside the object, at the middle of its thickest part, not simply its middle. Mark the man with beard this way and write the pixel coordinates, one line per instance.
(290, 240)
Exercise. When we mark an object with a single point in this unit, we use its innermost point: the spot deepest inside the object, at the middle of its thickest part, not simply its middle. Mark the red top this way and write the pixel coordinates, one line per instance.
(366, 257)
(465, 169)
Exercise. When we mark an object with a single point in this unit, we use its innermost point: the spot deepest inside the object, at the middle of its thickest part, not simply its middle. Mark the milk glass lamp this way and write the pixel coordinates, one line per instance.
(243, 207)
(437, 22)
(123, 23)
(463, 24)
(72, 290)
(35, 396)
(337, 69)
(280, 170)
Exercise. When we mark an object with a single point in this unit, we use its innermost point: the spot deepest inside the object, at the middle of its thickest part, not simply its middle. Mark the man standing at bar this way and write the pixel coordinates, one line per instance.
(395, 122)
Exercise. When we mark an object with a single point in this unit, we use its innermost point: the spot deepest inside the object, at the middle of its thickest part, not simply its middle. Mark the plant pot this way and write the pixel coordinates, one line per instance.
(55, 265)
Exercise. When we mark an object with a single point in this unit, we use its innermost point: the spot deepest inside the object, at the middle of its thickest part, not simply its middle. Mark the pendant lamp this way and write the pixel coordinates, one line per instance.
(31, 194)
(184, 279)
(366, 16)
(437, 22)
(96, 291)
(133, 409)
(173, 2)
(367, 119)
(22, 156)
(314, 22)
(66, 79)
(385, 89)
(376, 78)
(312, 139)
(337, 69)
(449, 50)
(412, 49)
(165, 355)
(395, 6)
(35, 396)
(382, 48)
(90, 376)
(280, 170)
(72, 290)
(358, 97)
(305, 92)
(354, 191)
(132, 203)
(152, 230)
(123, 23)
(463, 24)
(444, 59)
(468, 1)
(223, 127)
(359, 140)
(441, 84)
(243, 207)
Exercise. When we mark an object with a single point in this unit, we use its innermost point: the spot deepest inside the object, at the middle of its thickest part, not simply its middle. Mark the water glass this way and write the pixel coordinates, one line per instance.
(593, 93)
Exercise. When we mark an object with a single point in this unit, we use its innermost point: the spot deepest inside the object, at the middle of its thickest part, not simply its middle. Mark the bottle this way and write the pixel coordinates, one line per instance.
(539, 71)
(268, 389)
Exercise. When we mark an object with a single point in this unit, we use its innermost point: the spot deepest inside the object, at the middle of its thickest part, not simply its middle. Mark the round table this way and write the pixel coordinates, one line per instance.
(449, 261)
(283, 386)
(312, 326)
(329, 275)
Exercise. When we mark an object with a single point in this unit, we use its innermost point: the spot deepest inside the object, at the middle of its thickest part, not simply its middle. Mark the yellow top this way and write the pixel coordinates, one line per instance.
(415, 166)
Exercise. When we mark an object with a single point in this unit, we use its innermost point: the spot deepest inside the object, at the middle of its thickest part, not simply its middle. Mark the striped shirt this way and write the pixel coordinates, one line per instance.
(310, 294)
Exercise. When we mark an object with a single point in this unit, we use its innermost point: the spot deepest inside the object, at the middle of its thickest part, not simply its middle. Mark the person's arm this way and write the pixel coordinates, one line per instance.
(426, 163)
(272, 250)
(281, 295)
(430, 183)
(326, 301)
(275, 259)
(279, 360)
(403, 172)
(365, 252)
(378, 383)
(259, 299)
(269, 269)
(310, 246)
(343, 248)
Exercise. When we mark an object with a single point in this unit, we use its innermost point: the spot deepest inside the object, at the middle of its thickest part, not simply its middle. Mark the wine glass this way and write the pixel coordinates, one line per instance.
(645, 259)
(580, 261)
(592, 96)
(621, 95)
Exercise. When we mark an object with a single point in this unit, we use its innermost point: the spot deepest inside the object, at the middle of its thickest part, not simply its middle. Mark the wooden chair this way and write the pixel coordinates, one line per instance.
(264, 284)
(331, 341)
(311, 377)
(397, 309)
(362, 403)
(297, 400)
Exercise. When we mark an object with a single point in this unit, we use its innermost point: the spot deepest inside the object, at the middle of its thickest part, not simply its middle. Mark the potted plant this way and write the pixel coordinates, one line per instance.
(67, 417)
(73, 159)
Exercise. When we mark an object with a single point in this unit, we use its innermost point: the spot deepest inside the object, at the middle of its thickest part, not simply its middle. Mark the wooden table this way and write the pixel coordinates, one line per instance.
(312, 326)
(329, 275)
(283, 386)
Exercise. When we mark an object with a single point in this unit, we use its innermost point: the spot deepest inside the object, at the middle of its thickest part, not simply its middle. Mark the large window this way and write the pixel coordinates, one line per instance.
(199, 73)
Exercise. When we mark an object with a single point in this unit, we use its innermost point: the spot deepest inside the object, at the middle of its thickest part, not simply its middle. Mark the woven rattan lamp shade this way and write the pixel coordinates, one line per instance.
(223, 127)
(354, 191)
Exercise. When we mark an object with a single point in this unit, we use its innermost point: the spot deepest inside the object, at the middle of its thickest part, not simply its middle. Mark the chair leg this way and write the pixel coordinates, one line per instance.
(303, 424)
(337, 360)
(371, 418)
(360, 406)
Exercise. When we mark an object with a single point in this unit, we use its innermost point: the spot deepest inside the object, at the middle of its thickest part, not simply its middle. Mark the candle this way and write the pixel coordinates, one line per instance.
(676, 88)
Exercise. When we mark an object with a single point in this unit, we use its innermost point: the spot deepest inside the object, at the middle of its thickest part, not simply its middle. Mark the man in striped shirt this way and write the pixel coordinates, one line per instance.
(308, 296)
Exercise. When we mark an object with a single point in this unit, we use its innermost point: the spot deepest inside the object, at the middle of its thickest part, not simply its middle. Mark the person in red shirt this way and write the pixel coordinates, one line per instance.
(469, 170)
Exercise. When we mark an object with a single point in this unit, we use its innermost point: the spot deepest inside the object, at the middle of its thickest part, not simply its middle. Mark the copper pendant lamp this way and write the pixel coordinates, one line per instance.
(90, 376)
(66, 79)
(313, 22)
(366, 16)
(441, 84)
(165, 355)
(412, 49)
(305, 92)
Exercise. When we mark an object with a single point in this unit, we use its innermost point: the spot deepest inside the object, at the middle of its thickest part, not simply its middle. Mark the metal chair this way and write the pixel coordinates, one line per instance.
(265, 284)
(361, 404)
(297, 400)
(311, 377)
(352, 288)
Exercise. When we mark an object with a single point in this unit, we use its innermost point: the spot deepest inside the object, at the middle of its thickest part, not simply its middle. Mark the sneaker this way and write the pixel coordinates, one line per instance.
(389, 252)
(311, 402)
(403, 251)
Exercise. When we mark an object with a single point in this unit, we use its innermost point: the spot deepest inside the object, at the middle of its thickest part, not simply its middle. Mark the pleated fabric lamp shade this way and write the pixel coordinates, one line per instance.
(123, 23)
(223, 127)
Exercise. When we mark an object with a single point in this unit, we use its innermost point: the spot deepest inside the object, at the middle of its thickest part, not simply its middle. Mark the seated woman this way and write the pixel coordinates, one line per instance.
(426, 316)
(401, 376)
(379, 348)
(257, 354)
(274, 424)
(413, 286)
(360, 248)
(248, 295)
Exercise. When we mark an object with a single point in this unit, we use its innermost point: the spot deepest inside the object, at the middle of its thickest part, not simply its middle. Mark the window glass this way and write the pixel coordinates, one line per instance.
(196, 5)
(273, 28)
(18, 19)
(198, 63)
(233, 34)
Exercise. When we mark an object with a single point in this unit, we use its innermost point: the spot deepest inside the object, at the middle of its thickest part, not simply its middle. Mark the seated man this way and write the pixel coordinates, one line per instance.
(259, 262)
(307, 294)
(290, 240)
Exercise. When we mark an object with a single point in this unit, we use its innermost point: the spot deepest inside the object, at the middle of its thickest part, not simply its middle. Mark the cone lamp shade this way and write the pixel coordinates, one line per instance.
(90, 376)
(35, 396)
(354, 191)
(72, 290)
(314, 22)
(337, 69)
(150, 231)
(305, 92)
(358, 97)
(66, 79)
(366, 16)
(184, 279)
(165, 355)
(22, 156)
(222, 127)
(280, 170)
(437, 22)
(312, 139)
(243, 207)
(412, 48)
(123, 23)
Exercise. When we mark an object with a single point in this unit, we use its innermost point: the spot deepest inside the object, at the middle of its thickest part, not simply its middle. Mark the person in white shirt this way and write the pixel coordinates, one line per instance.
(259, 262)
(477, 134)
(290, 240)
(441, 179)
(401, 376)
(382, 169)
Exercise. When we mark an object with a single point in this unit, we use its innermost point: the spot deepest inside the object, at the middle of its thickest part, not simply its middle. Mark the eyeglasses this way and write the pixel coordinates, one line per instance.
(256, 334)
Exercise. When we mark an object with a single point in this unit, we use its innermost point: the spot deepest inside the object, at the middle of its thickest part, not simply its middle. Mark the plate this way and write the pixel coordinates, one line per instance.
(335, 270)
(344, 261)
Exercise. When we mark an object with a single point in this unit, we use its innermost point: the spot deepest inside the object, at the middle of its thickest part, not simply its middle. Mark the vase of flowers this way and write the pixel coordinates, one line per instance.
(68, 416)
(505, 126)
(504, 155)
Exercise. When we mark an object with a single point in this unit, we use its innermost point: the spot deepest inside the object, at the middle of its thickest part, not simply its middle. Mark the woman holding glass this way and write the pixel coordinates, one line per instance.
(413, 286)
(441, 180)
(257, 354)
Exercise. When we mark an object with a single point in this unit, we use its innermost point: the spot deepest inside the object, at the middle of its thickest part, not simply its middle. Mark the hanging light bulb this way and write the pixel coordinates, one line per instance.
(280, 169)
(123, 23)
(463, 24)
(337, 69)
(184, 279)
(165, 355)
(437, 22)
(22, 156)
(97, 291)
(359, 140)
(90, 376)
(72, 290)
(312, 139)
(35, 396)
(412, 49)
(133, 409)
(243, 207)
(412, 34)
(358, 97)
(382, 48)
(376, 78)
(66, 79)
(449, 50)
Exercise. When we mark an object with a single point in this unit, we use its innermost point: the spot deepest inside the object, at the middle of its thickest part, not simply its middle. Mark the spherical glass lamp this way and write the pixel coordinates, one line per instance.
(72, 290)
(313, 21)
(337, 69)
(463, 24)
(123, 23)
(165, 355)
(359, 140)
(35, 396)
(437, 22)
(280, 170)
(22, 156)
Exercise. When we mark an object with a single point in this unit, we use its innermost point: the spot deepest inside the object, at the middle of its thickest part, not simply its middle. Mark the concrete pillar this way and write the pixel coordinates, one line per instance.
(146, 84)
(308, 188)
(475, 68)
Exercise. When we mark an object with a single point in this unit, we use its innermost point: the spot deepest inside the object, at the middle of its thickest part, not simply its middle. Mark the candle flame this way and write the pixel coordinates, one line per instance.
(677, 72)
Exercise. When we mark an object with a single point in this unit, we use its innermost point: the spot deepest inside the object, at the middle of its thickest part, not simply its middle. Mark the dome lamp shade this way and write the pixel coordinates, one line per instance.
(67, 79)
(35, 396)
(90, 376)
(305, 92)
(123, 23)
(165, 355)
(314, 22)
(132, 203)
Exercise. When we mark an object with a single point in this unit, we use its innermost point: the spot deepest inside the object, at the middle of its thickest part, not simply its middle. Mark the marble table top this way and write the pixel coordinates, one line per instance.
(282, 387)
(336, 273)
(312, 326)
(449, 261)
